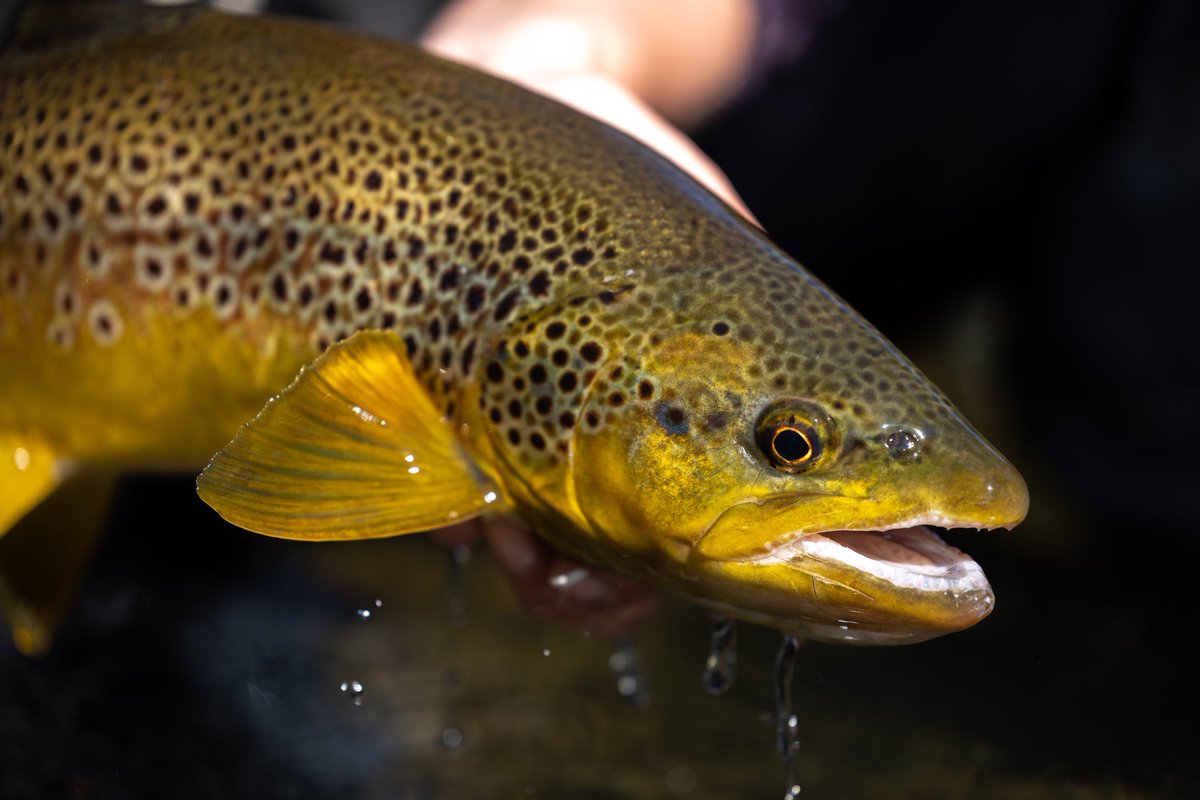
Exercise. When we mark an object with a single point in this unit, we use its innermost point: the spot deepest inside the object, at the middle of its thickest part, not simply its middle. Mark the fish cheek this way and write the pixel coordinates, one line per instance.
(650, 479)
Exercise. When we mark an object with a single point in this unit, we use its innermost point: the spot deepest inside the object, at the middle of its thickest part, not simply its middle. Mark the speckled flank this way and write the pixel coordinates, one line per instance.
(270, 173)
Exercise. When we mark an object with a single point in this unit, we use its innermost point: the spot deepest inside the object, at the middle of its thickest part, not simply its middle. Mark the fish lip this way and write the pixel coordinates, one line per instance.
(909, 555)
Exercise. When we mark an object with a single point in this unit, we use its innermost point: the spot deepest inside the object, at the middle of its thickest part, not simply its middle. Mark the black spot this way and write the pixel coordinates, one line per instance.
(279, 287)
(537, 441)
(416, 294)
(560, 357)
(567, 382)
(591, 352)
(495, 415)
(362, 300)
(673, 419)
(373, 181)
(537, 374)
(593, 419)
(645, 390)
(616, 399)
(721, 328)
(506, 305)
(514, 436)
(468, 356)
(449, 279)
(544, 405)
(555, 330)
(495, 372)
(333, 254)
(566, 419)
(582, 256)
(475, 297)
(540, 284)
(508, 241)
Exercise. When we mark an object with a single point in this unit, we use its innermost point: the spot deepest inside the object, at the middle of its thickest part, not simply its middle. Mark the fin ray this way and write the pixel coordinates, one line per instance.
(353, 449)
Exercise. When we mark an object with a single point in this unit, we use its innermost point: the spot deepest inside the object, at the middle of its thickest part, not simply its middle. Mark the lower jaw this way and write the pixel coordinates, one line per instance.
(856, 587)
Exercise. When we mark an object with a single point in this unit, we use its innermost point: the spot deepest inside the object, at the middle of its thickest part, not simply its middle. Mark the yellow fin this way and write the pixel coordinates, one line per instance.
(353, 449)
(44, 555)
(29, 471)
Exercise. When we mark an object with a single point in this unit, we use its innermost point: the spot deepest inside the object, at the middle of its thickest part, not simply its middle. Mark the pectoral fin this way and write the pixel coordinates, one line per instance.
(43, 557)
(29, 471)
(353, 449)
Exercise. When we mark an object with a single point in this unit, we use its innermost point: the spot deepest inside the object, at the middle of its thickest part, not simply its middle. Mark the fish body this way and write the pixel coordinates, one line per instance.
(510, 306)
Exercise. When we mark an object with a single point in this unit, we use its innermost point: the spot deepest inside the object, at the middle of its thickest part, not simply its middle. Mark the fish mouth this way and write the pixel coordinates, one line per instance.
(911, 557)
(895, 584)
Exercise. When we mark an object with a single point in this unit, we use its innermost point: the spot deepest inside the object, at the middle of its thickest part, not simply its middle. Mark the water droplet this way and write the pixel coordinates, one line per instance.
(787, 723)
(546, 651)
(626, 662)
(21, 459)
(355, 690)
(720, 668)
(364, 613)
(681, 780)
(490, 497)
(565, 580)
(452, 737)
(378, 603)
(409, 458)
(413, 470)
(456, 597)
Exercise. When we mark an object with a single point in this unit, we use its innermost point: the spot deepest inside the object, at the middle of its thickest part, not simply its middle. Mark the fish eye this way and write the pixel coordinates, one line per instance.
(795, 434)
(790, 444)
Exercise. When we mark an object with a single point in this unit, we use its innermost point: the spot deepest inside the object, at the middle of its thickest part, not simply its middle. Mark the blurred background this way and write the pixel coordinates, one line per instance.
(1009, 191)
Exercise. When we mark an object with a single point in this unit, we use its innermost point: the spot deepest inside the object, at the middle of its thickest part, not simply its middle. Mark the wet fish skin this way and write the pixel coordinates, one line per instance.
(194, 206)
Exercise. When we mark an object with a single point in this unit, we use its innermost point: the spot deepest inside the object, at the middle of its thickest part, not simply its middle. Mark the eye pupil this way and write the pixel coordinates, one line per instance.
(791, 446)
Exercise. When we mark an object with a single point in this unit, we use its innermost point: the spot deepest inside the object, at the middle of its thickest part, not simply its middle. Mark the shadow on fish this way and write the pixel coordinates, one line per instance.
(454, 298)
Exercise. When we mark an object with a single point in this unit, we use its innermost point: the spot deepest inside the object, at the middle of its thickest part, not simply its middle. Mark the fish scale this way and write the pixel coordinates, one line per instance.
(194, 206)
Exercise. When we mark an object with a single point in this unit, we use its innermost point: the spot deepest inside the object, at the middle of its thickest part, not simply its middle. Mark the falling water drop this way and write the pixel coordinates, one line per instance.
(452, 737)
(720, 668)
(456, 597)
(788, 724)
(363, 613)
(626, 662)
(355, 690)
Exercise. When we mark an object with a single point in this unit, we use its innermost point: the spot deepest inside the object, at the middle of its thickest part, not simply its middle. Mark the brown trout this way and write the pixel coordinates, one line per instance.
(492, 303)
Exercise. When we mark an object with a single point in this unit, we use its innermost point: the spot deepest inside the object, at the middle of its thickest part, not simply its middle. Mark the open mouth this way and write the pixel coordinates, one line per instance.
(913, 558)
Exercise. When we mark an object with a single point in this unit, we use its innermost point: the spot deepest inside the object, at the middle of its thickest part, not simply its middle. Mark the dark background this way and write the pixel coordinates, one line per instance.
(1009, 190)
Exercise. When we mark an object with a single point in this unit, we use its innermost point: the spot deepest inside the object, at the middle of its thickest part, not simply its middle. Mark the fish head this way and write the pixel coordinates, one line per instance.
(797, 485)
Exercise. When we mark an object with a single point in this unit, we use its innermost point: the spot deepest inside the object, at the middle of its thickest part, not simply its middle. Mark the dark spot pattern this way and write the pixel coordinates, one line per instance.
(281, 183)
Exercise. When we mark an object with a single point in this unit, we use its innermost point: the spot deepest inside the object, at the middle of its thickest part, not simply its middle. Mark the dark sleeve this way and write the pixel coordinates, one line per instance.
(784, 30)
